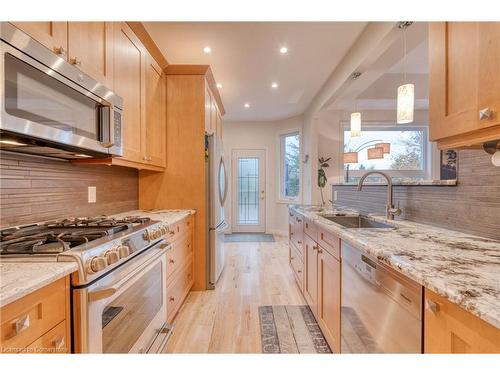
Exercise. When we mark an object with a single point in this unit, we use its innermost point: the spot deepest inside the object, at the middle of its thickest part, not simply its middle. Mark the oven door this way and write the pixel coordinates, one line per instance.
(40, 103)
(125, 311)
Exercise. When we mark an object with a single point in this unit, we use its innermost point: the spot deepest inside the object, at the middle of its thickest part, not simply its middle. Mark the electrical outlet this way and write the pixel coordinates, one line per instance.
(335, 195)
(92, 195)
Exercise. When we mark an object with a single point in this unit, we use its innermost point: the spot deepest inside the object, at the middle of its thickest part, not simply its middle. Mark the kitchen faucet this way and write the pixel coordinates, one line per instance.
(391, 211)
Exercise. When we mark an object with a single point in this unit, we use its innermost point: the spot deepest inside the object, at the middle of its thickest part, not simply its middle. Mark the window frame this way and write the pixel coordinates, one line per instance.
(281, 136)
(423, 173)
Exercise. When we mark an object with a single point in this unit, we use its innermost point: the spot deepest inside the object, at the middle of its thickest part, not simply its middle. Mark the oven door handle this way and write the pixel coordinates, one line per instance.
(104, 293)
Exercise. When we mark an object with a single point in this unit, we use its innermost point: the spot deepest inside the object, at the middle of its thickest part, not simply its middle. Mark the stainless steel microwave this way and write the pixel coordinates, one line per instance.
(52, 108)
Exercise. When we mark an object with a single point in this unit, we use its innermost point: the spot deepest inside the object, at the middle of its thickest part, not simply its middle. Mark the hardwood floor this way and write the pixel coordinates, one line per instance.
(226, 320)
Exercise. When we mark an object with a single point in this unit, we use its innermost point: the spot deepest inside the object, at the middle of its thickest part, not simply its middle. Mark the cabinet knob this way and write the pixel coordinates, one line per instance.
(22, 323)
(172, 299)
(432, 306)
(76, 61)
(485, 114)
(58, 342)
(171, 261)
(60, 51)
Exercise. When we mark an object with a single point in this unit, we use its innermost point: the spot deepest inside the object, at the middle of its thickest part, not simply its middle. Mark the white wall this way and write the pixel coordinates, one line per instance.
(261, 135)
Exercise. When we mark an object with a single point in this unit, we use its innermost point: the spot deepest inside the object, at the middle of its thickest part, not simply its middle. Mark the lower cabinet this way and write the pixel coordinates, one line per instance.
(180, 271)
(321, 278)
(328, 302)
(450, 329)
(38, 322)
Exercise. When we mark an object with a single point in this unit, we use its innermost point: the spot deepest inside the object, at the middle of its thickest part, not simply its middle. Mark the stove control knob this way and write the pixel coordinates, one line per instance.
(96, 264)
(124, 251)
(112, 256)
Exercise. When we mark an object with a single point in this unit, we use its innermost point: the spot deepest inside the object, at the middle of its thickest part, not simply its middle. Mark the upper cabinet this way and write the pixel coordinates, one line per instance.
(53, 35)
(464, 83)
(130, 84)
(90, 48)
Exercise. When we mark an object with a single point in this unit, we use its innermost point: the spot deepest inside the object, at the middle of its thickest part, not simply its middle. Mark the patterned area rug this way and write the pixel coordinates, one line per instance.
(249, 237)
(290, 329)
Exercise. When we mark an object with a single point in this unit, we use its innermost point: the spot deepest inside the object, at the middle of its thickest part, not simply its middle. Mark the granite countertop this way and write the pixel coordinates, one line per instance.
(461, 267)
(401, 181)
(20, 279)
(166, 216)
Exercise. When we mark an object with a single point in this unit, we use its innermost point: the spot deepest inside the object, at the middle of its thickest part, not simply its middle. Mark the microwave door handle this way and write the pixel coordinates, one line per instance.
(106, 122)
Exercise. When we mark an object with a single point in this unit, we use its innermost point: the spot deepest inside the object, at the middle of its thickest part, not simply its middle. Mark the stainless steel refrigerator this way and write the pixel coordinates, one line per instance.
(215, 170)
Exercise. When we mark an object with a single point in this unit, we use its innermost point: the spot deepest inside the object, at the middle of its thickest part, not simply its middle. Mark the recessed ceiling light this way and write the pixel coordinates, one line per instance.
(283, 50)
(247, 105)
(219, 85)
(274, 85)
(207, 49)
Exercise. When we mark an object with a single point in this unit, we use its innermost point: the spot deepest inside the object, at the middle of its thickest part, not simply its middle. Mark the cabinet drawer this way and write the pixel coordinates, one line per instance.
(310, 229)
(53, 342)
(179, 254)
(178, 289)
(25, 320)
(329, 242)
(297, 265)
(296, 234)
(180, 228)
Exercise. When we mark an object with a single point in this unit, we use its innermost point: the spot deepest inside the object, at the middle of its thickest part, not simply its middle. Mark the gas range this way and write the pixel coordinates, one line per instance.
(97, 244)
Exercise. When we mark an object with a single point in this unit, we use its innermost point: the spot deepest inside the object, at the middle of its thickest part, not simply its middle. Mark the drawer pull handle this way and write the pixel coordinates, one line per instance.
(299, 271)
(58, 342)
(171, 233)
(292, 258)
(485, 113)
(171, 261)
(299, 242)
(22, 324)
(315, 247)
(432, 306)
(172, 299)
(320, 250)
(407, 299)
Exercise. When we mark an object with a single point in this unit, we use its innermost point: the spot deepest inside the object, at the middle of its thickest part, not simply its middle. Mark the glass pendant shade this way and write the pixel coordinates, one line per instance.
(350, 157)
(356, 124)
(375, 153)
(386, 146)
(406, 103)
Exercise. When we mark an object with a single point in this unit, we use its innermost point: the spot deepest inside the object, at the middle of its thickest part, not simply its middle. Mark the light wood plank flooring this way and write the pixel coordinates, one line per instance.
(226, 320)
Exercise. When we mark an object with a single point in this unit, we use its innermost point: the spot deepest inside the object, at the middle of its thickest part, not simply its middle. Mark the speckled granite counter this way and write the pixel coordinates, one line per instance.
(166, 216)
(461, 267)
(20, 279)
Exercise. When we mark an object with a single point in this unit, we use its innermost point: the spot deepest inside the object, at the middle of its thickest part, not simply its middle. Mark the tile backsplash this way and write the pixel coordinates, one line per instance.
(473, 206)
(35, 189)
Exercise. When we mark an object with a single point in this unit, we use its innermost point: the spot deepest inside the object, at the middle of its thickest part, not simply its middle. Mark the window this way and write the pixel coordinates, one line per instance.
(290, 166)
(407, 156)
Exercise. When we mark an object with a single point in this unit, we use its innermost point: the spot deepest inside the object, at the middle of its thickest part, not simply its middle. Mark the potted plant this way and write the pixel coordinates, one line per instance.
(323, 163)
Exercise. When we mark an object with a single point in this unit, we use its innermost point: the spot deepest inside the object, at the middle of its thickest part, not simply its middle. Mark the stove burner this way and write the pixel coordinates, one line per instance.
(60, 235)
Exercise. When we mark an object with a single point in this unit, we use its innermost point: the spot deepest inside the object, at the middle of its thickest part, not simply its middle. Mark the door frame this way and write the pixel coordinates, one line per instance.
(250, 153)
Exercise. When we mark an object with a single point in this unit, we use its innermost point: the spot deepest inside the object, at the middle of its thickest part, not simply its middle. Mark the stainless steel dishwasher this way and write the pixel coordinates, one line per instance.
(381, 309)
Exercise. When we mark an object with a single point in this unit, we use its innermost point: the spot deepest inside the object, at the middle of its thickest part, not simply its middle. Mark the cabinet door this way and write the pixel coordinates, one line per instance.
(464, 77)
(90, 48)
(155, 113)
(208, 110)
(450, 329)
(129, 83)
(52, 35)
(329, 298)
(311, 274)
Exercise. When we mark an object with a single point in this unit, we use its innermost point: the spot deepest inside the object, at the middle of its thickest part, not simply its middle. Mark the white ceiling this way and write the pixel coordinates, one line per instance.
(245, 59)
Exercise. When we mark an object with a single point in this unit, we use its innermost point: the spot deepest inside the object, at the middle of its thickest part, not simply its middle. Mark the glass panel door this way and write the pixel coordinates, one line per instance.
(248, 191)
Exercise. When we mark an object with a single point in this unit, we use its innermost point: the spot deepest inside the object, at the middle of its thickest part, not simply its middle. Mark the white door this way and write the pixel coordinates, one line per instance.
(249, 195)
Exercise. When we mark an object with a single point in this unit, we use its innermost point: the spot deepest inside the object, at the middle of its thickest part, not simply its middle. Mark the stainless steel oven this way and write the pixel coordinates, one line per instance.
(50, 107)
(124, 311)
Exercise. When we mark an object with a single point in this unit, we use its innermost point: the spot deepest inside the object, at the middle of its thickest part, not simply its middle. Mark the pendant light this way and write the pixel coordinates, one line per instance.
(355, 122)
(406, 92)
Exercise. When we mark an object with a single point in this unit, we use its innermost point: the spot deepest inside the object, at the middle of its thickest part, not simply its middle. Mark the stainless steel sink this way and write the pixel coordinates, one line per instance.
(356, 222)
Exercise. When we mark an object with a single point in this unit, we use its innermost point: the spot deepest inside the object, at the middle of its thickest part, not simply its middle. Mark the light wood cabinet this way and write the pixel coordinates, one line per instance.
(156, 115)
(130, 84)
(450, 329)
(53, 35)
(328, 311)
(464, 81)
(90, 48)
(311, 273)
(213, 116)
(38, 322)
